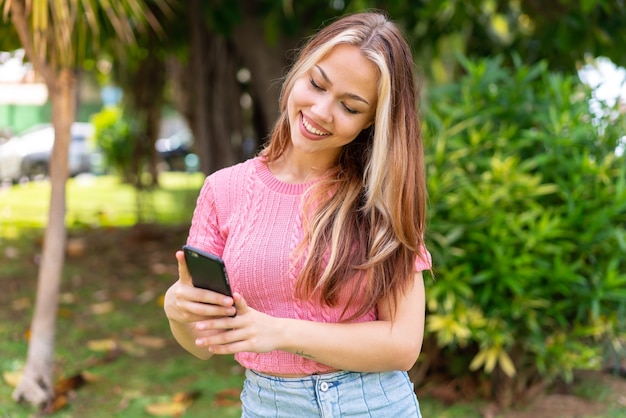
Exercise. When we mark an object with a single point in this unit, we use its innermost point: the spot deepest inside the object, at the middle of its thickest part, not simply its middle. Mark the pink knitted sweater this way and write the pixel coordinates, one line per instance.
(253, 221)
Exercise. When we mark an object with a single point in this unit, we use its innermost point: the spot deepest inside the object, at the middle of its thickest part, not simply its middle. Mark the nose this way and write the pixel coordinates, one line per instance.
(322, 109)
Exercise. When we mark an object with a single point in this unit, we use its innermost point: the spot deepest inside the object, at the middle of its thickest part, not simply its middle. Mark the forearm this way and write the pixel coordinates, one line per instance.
(366, 347)
(393, 342)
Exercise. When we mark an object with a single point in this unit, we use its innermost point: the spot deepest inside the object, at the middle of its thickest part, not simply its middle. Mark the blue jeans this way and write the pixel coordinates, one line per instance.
(339, 394)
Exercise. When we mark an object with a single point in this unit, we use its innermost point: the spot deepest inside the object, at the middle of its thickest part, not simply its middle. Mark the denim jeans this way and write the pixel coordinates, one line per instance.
(339, 394)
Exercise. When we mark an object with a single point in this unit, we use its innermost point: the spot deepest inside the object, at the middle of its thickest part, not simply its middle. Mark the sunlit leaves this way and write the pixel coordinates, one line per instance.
(488, 358)
(455, 328)
(448, 329)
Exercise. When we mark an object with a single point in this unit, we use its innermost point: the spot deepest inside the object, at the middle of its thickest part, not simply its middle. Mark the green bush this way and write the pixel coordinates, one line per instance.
(527, 226)
(114, 139)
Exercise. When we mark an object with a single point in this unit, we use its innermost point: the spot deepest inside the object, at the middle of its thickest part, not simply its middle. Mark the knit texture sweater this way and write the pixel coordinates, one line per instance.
(254, 222)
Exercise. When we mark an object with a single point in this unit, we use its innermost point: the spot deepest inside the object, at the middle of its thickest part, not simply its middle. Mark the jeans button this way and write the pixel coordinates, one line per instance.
(324, 386)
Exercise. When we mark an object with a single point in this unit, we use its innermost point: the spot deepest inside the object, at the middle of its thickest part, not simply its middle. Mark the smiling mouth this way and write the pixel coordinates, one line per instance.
(311, 129)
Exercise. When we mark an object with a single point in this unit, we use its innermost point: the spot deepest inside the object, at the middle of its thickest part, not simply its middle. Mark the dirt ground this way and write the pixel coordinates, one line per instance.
(568, 405)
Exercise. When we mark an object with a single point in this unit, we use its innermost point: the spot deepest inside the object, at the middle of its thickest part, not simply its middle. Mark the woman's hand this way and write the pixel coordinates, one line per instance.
(185, 305)
(250, 331)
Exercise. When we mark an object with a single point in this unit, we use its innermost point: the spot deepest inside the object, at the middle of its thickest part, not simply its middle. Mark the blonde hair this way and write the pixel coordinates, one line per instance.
(364, 221)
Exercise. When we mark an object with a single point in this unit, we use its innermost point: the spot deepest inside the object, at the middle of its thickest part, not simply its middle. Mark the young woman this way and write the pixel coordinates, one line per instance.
(322, 235)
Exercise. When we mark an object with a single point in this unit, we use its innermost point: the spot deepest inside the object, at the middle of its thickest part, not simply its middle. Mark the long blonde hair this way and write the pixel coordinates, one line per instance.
(365, 221)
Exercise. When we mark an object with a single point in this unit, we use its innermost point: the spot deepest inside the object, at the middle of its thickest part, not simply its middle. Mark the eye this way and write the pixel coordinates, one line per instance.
(314, 84)
(349, 109)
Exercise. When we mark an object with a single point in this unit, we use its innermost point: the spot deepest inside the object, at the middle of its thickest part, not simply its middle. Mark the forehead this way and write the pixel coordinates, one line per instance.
(350, 71)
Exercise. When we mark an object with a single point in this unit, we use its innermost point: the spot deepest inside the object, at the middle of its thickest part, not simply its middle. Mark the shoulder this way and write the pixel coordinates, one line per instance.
(230, 177)
(234, 171)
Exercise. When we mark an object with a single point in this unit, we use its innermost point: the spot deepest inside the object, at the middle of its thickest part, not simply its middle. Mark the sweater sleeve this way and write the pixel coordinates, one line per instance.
(205, 231)
(423, 261)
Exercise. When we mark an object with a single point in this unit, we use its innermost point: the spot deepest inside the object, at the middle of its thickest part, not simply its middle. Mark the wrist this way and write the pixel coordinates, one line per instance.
(282, 333)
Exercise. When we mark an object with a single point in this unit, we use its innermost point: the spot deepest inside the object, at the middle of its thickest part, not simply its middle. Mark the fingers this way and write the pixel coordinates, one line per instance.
(240, 303)
(225, 338)
(230, 341)
(250, 331)
(188, 292)
(199, 311)
(187, 303)
(233, 348)
(183, 272)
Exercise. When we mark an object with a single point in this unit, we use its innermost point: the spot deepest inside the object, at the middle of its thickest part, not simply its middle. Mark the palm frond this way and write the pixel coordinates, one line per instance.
(65, 31)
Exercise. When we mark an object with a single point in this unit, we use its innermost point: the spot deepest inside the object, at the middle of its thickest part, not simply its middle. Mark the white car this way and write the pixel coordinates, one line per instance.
(27, 156)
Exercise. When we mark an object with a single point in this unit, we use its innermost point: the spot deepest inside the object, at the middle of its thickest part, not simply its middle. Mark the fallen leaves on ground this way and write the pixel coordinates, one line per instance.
(106, 344)
(76, 247)
(102, 308)
(174, 407)
(65, 389)
(21, 304)
(150, 342)
(228, 397)
(12, 378)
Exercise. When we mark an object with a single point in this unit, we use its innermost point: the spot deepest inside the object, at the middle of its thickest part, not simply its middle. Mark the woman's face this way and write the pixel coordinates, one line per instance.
(331, 103)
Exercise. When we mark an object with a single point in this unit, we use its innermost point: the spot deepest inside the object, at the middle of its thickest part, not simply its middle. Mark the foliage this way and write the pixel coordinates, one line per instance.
(114, 139)
(528, 222)
(8, 37)
(65, 34)
(559, 32)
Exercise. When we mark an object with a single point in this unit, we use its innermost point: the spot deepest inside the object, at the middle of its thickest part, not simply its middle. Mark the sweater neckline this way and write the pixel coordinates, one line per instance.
(274, 183)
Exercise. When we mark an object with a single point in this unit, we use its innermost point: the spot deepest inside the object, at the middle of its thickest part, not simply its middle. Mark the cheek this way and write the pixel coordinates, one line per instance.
(351, 128)
(297, 94)
(291, 109)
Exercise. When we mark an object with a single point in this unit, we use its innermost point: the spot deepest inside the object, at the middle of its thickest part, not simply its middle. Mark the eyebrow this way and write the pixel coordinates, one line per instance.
(351, 95)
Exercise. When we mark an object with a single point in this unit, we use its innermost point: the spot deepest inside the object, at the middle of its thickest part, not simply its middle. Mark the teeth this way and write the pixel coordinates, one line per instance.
(312, 129)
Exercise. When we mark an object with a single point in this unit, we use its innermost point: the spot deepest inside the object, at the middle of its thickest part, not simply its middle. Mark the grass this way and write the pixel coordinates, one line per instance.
(111, 326)
(100, 202)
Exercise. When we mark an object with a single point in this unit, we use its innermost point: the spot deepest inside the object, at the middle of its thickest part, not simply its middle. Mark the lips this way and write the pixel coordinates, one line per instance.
(310, 129)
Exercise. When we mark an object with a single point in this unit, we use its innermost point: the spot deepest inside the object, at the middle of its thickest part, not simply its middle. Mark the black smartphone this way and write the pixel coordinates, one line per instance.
(207, 271)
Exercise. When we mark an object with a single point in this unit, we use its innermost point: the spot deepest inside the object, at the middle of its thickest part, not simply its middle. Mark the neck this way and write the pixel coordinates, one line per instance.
(292, 168)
